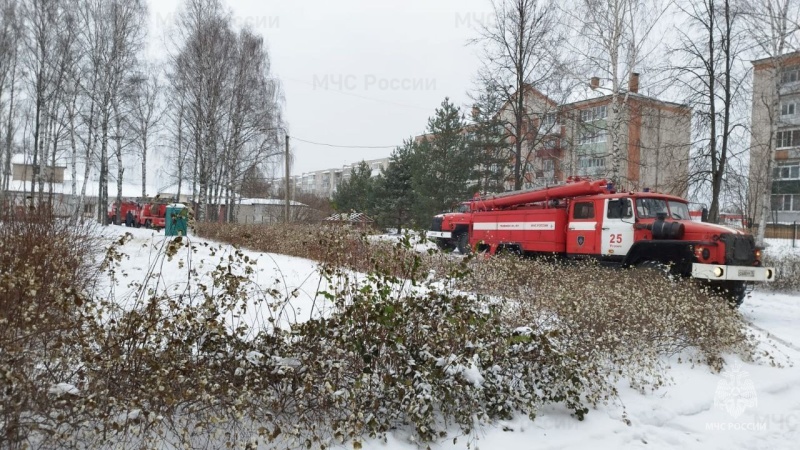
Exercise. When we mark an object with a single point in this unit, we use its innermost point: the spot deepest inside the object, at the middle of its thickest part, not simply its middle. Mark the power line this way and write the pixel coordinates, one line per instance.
(344, 146)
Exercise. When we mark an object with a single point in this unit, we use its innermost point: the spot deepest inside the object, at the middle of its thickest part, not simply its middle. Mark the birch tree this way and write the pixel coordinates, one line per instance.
(40, 28)
(10, 36)
(709, 65)
(112, 37)
(229, 105)
(520, 58)
(145, 115)
(612, 39)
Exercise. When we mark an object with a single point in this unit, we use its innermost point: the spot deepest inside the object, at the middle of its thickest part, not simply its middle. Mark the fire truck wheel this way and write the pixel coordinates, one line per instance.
(444, 244)
(733, 291)
(147, 224)
(463, 243)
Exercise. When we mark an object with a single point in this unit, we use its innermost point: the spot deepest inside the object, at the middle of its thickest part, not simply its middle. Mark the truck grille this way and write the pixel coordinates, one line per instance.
(437, 224)
(739, 249)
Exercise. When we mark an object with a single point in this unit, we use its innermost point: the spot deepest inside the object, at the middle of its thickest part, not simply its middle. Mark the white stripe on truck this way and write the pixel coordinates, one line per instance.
(582, 226)
(514, 226)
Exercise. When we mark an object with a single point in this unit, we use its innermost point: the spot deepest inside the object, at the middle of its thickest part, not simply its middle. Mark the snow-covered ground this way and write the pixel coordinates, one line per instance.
(749, 405)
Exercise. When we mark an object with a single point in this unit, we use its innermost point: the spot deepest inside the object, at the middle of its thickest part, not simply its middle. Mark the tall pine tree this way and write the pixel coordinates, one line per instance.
(444, 164)
(394, 192)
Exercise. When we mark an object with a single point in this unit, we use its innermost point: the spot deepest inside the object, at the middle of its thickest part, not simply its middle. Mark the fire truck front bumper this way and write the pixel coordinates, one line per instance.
(440, 234)
(732, 273)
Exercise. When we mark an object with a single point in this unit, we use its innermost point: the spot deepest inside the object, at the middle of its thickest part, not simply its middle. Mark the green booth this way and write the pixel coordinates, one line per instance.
(176, 222)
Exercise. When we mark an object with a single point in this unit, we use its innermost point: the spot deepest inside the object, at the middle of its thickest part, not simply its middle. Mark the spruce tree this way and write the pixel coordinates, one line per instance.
(444, 164)
(489, 138)
(394, 193)
(355, 193)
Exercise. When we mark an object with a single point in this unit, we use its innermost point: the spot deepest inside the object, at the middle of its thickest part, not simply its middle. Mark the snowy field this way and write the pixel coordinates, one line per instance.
(749, 405)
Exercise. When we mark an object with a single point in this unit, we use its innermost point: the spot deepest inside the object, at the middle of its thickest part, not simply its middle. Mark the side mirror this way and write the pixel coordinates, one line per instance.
(704, 215)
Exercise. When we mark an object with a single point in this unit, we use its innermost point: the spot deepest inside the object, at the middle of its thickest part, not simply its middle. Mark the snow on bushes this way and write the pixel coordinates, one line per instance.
(420, 343)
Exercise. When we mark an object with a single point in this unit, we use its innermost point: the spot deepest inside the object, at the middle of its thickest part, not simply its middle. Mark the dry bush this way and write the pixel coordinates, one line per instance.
(627, 320)
(45, 274)
(462, 342)
(788, 268)
(334, 245)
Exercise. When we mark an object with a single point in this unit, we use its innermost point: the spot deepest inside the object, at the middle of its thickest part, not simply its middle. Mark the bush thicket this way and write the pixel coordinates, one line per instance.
(423, 343)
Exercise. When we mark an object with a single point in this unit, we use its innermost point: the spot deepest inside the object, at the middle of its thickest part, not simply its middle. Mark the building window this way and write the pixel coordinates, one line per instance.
(595, 137)
(789, 108)
(786, 172)
(591, 162)
(789, 138)
(593, 114)
(781, 202)
(548, 165)
(790, 75)
(786, 202)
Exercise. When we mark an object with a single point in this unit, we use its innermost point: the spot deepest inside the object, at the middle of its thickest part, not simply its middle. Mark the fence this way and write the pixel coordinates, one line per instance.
(789, 231)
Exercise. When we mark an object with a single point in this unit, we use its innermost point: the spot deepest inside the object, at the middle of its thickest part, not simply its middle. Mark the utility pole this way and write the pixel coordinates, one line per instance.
(287, 177)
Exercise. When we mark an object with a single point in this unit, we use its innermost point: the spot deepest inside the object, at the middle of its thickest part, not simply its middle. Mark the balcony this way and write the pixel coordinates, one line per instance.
(783, 154)
(549, 129)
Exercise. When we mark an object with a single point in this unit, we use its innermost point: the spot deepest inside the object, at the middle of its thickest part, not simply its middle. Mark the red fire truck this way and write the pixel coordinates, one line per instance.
(154, 215)
(148, 215)
(124, 219)
(589, 219)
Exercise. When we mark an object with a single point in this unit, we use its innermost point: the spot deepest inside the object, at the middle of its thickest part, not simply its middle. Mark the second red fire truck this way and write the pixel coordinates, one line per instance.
(589, 219)
(135, 214)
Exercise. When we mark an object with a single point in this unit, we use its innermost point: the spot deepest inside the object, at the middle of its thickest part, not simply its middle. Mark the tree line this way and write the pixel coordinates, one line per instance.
(77, 89)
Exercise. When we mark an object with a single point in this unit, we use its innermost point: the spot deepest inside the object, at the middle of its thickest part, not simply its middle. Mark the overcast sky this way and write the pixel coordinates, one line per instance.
(357, 72)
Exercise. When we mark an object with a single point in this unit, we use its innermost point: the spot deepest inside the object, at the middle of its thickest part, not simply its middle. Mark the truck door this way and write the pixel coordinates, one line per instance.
(617, 236)
(582, 228)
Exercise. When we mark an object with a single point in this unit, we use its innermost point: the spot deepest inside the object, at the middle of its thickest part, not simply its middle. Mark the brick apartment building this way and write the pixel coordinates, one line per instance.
(785, 176)
(574, 139)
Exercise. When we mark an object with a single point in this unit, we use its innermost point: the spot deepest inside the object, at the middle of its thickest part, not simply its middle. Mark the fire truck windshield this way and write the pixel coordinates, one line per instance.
(462, 208)
(679, 210)
(648, 208)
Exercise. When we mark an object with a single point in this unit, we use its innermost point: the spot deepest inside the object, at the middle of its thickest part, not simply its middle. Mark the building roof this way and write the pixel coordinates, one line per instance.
(607, 98)
(267, 201)
(352, 217)
(92, 188)
(20, 158)
(765, 61)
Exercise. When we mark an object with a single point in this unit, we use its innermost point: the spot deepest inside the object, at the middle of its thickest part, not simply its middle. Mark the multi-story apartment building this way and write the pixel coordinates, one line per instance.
(323, 183)
(574, 139)
(776, 101)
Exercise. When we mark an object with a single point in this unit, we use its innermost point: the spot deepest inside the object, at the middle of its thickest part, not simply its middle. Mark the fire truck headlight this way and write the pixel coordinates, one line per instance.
(706, 253)
(718, 272)
(758, 254)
